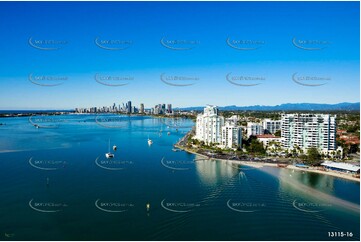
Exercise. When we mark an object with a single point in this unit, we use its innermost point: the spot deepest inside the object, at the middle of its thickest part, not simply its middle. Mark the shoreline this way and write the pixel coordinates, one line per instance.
(261, 164)
(257, 164)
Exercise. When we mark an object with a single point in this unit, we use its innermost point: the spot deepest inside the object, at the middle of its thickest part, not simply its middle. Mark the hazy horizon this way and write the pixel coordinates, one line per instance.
(174, 107)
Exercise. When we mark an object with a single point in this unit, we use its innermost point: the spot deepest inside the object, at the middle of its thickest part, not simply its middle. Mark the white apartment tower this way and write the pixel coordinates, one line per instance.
(271, 125)
(309, 130)
(209, 125)
(254, 129)
(231, 136)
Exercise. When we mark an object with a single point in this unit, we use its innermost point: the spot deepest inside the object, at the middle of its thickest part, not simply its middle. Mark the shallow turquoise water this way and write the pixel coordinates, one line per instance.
(56, 184)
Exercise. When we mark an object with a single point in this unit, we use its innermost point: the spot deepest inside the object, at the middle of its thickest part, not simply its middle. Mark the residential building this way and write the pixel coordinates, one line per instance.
(271, 126)
(233, 119)
(309, 130)
(209, 125)
(254, 129)
(231, 136)
(265, 139)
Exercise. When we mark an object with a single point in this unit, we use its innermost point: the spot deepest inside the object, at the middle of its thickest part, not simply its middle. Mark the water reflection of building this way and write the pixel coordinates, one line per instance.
(213, 171)
(314, 188)
(291, 180)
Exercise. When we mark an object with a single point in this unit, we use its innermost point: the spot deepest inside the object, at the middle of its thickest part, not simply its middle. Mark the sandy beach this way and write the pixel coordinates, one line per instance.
(292, 167)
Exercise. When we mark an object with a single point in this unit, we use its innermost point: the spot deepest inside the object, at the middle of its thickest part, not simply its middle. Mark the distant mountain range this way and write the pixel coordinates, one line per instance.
(287, 107)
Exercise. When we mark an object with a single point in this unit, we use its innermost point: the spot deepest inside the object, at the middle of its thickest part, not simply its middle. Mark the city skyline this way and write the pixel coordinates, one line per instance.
(229, 107)
(275, 58)
(127, 107)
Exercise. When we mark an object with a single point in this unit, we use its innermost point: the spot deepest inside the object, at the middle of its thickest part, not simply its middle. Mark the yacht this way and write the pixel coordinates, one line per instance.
(109, 155)
(150, 142)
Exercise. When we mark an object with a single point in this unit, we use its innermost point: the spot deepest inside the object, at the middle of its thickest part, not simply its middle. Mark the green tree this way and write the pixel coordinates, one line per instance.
(255, 147)
(303, 157)
(313, 156)
(354, 148)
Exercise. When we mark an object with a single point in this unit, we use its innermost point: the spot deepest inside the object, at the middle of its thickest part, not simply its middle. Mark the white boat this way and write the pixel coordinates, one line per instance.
(168, 133)
(114, 147)
(109, 155)
(150, 142)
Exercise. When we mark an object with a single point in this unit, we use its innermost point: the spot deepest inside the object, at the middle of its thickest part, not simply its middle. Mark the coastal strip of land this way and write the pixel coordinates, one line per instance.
(258, 164)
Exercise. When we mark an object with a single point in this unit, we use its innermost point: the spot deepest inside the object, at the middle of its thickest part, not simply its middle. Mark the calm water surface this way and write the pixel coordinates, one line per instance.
(56, 184)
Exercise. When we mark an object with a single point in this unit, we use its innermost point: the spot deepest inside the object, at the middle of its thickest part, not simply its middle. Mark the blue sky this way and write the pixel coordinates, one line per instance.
(335, 25)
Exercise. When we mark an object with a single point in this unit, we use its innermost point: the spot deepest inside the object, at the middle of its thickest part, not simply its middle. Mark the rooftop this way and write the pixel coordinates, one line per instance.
(341, 165)
(269, 136)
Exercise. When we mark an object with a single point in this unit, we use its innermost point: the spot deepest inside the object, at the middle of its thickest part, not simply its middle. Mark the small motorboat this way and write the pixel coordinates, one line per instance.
(114, 147)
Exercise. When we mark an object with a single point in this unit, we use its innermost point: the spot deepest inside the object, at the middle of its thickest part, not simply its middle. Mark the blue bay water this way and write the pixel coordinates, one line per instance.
(56, 184)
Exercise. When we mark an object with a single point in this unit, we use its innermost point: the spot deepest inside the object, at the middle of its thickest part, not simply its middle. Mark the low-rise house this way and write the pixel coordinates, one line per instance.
(267, 138)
